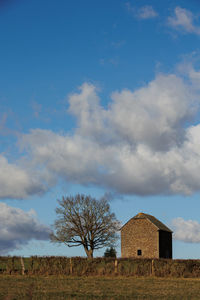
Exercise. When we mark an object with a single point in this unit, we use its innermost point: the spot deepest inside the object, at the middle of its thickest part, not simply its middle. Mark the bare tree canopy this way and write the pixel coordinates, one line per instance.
(85, 221)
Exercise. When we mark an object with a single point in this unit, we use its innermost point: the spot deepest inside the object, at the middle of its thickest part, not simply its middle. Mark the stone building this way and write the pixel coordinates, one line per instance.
(146, 237)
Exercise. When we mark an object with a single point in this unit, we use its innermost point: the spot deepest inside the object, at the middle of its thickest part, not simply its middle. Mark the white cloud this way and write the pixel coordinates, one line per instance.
(138, 145)
(17, 228)
(144, 12)
(187, 68)
(143, 143)
(183, 19)
(18, 182)
(186, 230)
(153, 115)
(147, 12)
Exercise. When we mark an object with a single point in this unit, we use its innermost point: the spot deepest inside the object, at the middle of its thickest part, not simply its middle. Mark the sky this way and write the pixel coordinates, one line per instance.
(99, 98)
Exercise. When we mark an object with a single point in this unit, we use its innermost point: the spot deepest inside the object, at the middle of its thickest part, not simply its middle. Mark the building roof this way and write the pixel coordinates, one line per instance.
(153, 220)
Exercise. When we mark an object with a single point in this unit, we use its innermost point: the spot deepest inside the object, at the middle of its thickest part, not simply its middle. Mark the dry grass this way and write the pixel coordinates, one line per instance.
(67, 287)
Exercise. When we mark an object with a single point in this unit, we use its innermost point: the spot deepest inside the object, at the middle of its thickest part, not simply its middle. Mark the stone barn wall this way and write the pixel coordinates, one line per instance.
(139, 234)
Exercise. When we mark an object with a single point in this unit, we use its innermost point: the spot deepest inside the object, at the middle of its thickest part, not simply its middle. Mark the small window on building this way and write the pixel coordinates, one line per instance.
(139, 252)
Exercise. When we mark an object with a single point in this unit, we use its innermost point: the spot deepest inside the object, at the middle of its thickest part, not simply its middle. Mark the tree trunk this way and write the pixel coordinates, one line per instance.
(89, 253)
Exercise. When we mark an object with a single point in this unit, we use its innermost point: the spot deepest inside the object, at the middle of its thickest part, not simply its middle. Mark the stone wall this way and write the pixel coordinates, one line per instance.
(140, 234)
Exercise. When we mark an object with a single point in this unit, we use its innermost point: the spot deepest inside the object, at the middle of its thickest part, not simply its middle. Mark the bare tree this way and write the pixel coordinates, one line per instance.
(85, 221)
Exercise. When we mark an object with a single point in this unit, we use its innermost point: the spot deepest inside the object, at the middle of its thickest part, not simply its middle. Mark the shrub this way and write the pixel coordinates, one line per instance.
(110, 252)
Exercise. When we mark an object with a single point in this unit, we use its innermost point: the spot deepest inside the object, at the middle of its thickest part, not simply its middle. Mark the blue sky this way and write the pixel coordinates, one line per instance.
(101, 98)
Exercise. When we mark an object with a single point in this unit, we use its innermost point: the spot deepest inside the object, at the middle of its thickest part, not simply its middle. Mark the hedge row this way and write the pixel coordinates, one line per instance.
(79, 266)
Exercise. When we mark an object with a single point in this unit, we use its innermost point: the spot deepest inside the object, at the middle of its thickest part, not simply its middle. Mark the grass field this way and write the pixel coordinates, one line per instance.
(66, 287)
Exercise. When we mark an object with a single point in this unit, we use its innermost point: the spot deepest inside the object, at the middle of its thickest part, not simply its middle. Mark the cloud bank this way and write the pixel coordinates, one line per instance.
(186, 231)
(138, 145)
(17, 228)
(144, 142)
